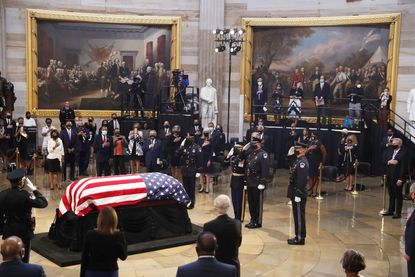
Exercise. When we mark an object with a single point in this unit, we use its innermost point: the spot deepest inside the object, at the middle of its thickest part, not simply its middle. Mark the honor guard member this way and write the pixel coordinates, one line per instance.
(237, 163)
(16, 209)
(191, 161)
(257, 169)
(297, 192)
(66, 113)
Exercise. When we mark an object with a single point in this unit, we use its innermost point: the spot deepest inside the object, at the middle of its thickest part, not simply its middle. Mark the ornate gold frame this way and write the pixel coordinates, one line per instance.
(394, 21)
(32, 16)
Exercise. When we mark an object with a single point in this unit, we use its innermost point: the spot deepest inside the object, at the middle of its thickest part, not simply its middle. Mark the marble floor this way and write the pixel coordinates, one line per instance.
(338, 222)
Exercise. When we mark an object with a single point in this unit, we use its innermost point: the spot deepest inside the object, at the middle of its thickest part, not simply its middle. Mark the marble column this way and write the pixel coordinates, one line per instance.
(211, 63)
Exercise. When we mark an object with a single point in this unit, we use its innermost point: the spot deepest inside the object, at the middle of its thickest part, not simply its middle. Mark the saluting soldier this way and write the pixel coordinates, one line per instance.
(191, 161)
(257, 169)
(237, 163)
(16, 209)
(66, 113)
(297, 192)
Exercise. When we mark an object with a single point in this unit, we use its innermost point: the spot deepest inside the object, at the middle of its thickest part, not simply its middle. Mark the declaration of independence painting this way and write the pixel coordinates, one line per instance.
(343, 54)
(93, 64)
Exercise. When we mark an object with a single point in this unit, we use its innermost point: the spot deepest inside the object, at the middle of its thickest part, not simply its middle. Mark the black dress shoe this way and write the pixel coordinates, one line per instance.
(295, 241)
(387, 214)
(253, 225)
(396, 216)
(249, 224)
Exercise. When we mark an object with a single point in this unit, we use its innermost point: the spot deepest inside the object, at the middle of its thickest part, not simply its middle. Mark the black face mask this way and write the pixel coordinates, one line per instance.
(28, 116)
(114, 118)
(395, 146)
(206, 135)
(117, 134)
(166, 126)
(152, 137)
(189, 142)
(8, 116)
(236, 151)
(297, 152)
(105, 124)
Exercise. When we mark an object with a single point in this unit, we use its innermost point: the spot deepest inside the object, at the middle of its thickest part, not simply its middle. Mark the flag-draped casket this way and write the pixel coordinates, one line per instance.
(149, 206)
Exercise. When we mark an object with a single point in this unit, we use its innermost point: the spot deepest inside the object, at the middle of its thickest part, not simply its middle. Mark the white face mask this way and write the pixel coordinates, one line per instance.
(359, 86)
(104, 133)
(259, 83)
(321, 81)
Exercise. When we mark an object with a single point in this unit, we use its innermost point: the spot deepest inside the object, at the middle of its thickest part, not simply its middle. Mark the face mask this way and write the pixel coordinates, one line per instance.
(210, 129)
(117, 134)
(68, 126)
(188, 142)
(359, 86)
(321, 81)
(206, 135)
(152, 137)
(28, 116)
(104, 133)
(236, 151)
(390, 134)
(114, 118)
(105, 124)
(196, 124)
(8, 116)
(55, 136)
(297, 152)
(395, 146)
(259, 83)
(166, 126)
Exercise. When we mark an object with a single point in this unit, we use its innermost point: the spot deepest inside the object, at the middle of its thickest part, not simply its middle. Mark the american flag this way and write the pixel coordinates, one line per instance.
(85, 195)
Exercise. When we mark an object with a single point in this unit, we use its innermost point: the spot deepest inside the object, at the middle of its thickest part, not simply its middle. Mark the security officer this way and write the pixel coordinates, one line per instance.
(66, 113)
(237, 163)
(16, 209)
(191, 161)
(257, 169)
(297, 192)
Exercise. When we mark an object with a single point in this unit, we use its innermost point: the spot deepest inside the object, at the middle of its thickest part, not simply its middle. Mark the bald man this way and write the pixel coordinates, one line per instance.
(12, 251)
(206, 265)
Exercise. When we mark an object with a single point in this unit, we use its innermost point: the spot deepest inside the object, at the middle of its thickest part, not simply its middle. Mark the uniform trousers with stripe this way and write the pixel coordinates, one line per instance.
(299, 218)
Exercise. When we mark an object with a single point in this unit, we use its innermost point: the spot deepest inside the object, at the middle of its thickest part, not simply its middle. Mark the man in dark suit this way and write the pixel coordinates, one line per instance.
(321, 94)
(260, 96)
(395, 172)
(12, 251)
(113, 124)
(206, 265)
(227, 231)
(410, 237)
(103, 146)
(69, 139)
(154, 153)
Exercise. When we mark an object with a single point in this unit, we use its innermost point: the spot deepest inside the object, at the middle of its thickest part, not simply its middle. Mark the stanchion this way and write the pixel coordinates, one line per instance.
(319, 197)
(383, 211)
(34, 169)
(17, 158)
(356, 164)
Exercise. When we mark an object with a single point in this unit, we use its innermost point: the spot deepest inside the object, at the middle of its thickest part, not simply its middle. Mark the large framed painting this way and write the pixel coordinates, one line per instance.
(87, 58)
(344, 50)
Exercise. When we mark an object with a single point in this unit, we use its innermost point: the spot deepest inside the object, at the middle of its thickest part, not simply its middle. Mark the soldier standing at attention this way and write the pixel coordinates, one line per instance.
(297, 192)
(66, 113)
(237, 164)
(257, 169)
(191, 161)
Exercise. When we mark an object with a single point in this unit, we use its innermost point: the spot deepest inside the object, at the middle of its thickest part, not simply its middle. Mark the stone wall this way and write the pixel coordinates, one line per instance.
(199, 17)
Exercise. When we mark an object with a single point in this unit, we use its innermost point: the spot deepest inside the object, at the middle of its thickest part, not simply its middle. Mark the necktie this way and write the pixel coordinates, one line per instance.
(104, 138)
(394, 154)
(69, 135)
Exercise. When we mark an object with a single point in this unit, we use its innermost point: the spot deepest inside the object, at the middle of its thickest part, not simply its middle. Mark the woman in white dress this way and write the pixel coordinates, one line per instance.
(54, 159)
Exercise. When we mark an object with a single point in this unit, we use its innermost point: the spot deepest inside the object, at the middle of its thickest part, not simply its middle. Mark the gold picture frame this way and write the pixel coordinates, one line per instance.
(34, 15)
(393, 20)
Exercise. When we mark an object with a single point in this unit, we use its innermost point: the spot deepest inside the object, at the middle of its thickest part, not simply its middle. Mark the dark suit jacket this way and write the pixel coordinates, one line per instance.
(152, 154)
(228, 233)
(206, 267)
(395, 172)
(65, 139)
(409, 237)
(111, 127)
(102, 153)
(259, 99)
(18, 268)
(325, 92)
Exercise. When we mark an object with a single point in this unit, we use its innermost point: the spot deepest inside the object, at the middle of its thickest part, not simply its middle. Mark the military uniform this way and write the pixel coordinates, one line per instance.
(257, 169)
(298, 188)
(16, 212)
(66, 114)
(191, 161)
(237, 163)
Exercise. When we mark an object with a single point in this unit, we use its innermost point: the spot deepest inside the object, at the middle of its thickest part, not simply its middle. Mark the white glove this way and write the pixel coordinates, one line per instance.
(245, 187)
(265, 109)
(29, 184)
(246, 147)
(183, 142)
(297, 199)
(261, 187)
(230, 153)
(197, 175)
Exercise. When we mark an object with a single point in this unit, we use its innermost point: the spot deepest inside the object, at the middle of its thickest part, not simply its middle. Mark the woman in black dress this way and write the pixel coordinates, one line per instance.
(173, 151)
(103, 246)
(350, 156)
(135, 150)
(54, 159)
(207, 153)
(316, 153)
(20, 140)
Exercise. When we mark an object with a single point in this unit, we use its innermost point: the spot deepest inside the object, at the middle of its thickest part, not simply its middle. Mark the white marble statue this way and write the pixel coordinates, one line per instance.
(410, 108)
(208, 104)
